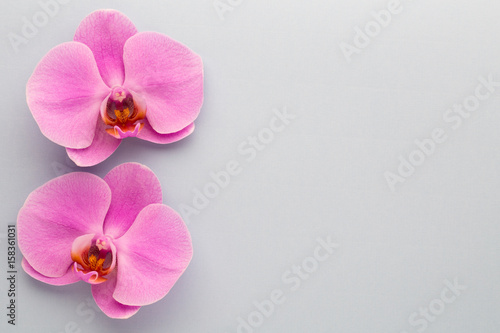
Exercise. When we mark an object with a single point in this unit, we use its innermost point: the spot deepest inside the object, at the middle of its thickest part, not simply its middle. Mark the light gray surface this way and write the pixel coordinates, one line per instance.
(322, 176)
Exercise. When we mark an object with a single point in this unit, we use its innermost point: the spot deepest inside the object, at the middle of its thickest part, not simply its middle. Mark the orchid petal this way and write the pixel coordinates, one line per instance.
(64, 94)
(134, 186)
(105, 33)
(101, 148)
(152, 255)
(149, 134)
(55, 214)
(68, 278)
(168, 75)
(103, 296)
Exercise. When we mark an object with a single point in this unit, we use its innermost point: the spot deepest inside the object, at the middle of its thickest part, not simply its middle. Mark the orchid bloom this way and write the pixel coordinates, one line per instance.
(112, 82)
(113, 233)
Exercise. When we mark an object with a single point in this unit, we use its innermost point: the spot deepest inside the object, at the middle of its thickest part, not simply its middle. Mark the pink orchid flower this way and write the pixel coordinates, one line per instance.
(113, 233)
(112, 82)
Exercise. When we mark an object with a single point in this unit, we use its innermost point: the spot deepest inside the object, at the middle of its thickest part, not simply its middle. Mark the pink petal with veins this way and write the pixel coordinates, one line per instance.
(152, 255)
(168, 75)
(55, 214)
(64, 94)
(105, 33)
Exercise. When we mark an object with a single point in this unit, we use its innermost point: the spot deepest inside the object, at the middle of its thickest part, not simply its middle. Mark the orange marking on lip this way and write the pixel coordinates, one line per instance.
(122, 115)
(123, 112)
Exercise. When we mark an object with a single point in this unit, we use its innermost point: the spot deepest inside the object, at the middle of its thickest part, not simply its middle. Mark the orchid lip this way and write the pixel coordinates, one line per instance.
(90, 277)
(118, 133)
(94, 257)
(124, 111)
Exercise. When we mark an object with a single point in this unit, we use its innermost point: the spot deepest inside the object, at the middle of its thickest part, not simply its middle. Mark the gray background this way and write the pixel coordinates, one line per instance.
(322, 176)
